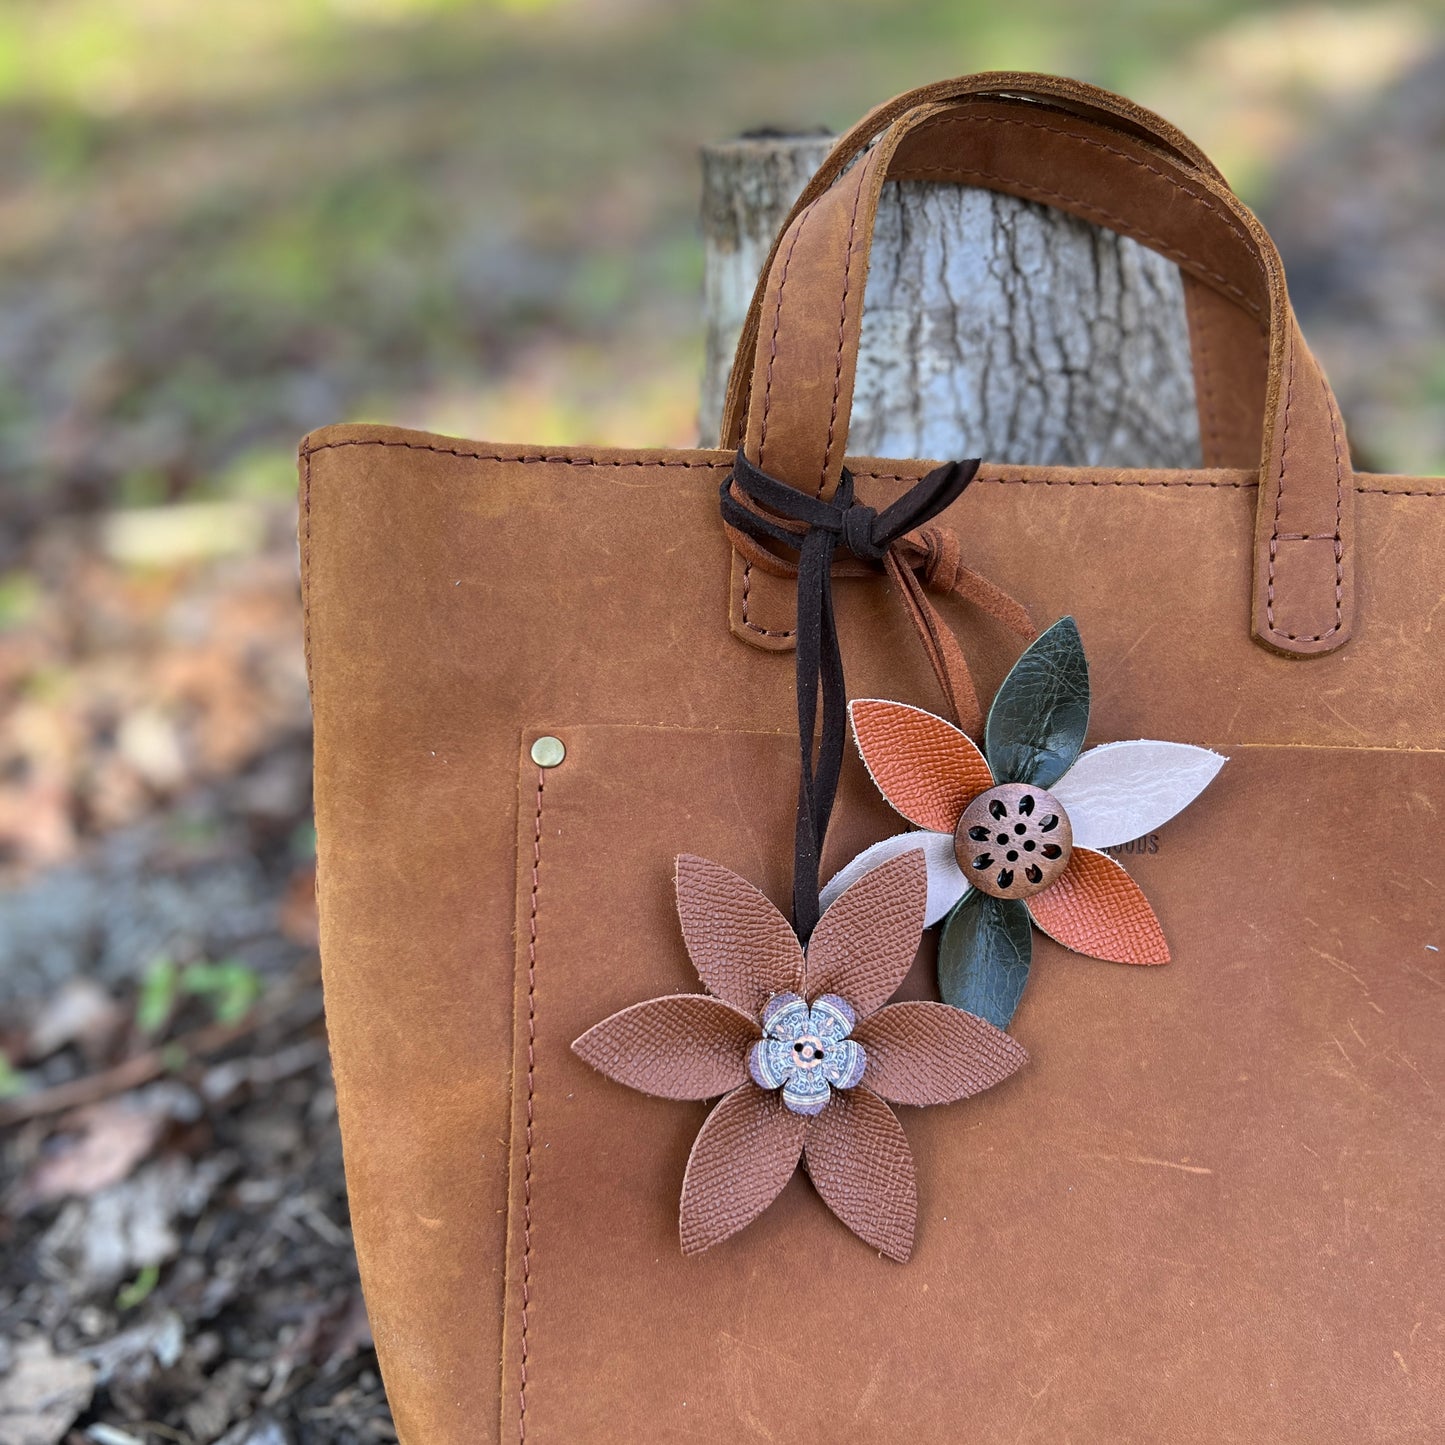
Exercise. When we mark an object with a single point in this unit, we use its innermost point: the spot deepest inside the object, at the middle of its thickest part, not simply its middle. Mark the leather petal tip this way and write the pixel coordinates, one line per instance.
(922, 1053)
(745, 1152)
(946, 883)
(867, 940)
(1040, 713)
(859, 1161)
(1098, 910)
(683, 1046)
(744, 950)
(1121, 791)
(925, 767)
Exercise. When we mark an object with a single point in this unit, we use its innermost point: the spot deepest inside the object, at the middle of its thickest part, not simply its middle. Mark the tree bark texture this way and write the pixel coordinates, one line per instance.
(992, 326)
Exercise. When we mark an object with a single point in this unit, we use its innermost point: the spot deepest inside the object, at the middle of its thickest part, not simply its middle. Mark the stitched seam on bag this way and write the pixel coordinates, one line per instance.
(1134, 160)
(753, 626)
(563, 461)
(842, 325)
(777, 321)
(1395, 491)
(1276, 537)
(724, 465)
(768, 388)
(1231, 221)
(531, 1083)
(1279, 500)
(476, 456)
(1117, 223)
(1339, 510)
(1074, 482)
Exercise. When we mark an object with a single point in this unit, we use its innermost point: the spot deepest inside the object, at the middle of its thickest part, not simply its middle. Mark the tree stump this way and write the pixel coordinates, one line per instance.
(992, 326)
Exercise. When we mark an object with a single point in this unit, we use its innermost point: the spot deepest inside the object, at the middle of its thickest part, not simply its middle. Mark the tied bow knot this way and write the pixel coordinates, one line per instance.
(783, 514)
(859, 523)
(814, 528)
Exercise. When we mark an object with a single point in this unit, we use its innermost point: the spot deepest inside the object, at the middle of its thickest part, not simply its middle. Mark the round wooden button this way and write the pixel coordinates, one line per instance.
(1013, 841)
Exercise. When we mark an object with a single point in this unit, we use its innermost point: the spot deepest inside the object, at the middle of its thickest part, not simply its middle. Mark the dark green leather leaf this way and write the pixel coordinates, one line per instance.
(1037, 723)
(983, 956)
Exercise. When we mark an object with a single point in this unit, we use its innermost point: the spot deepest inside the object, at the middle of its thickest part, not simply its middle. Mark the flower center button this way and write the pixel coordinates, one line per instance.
(1013, 841)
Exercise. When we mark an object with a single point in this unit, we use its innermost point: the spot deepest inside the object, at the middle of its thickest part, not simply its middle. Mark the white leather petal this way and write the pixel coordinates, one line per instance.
(1121, 791)
(946, 883)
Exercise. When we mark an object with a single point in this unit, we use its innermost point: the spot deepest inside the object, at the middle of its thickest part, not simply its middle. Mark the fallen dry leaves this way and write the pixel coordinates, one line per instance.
(121, 686)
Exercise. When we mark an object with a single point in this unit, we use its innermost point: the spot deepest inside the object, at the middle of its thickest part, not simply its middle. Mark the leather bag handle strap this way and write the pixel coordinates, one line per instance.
(1109, 161)
(1114, 111)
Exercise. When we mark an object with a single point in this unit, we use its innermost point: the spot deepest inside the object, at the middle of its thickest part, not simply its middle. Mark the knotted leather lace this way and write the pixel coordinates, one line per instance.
(758, 509)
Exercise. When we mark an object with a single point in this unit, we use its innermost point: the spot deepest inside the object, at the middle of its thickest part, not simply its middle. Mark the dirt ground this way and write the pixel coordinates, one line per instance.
(175, 1263)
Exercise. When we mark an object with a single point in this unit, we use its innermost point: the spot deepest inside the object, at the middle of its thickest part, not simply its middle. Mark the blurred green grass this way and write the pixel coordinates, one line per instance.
(224, 224)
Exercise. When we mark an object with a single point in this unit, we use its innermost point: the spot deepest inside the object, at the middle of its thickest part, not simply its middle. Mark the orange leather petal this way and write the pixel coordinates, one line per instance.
(929, 1053)
(928, 770)
(859, 1161)
(1096, 908)
(685, 1046)
(744, 1153)
(744, 950)
(867, 940)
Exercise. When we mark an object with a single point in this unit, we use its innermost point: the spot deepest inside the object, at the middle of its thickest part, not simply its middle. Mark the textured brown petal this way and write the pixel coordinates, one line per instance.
(744, 1153)
(744, 950)
(859, 1161)
(929, 1053)
(1096, 908)
(867, 941)
(924, 766)
(686, 1046)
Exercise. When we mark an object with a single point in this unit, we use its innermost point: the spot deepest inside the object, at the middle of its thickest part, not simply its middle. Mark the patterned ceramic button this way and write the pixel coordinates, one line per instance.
(1013, 841)
(807, 1052)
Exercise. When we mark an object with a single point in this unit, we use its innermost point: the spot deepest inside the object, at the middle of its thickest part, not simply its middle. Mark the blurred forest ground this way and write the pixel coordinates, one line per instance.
(224, 224)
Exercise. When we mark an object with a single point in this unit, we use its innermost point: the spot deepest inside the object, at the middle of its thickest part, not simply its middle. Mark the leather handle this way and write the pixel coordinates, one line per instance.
(1114, 111)
(1107, 160)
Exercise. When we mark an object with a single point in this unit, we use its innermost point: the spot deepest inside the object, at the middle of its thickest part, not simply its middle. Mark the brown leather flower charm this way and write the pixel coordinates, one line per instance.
(799, 1079)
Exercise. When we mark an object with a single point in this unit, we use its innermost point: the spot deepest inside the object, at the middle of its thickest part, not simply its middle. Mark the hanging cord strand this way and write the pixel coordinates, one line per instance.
(940, 646)
(758, 507)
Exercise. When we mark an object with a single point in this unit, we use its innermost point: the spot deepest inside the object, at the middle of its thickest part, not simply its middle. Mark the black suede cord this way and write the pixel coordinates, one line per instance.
(867, 534)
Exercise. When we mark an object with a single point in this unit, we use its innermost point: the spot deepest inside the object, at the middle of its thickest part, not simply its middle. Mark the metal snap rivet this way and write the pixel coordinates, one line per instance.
(547, 752)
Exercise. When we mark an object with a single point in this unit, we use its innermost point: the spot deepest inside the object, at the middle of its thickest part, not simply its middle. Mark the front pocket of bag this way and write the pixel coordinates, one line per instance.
(1203, 1211)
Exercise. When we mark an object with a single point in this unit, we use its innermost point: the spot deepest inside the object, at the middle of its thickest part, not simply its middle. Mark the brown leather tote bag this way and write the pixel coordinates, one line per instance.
(1208, 1208)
